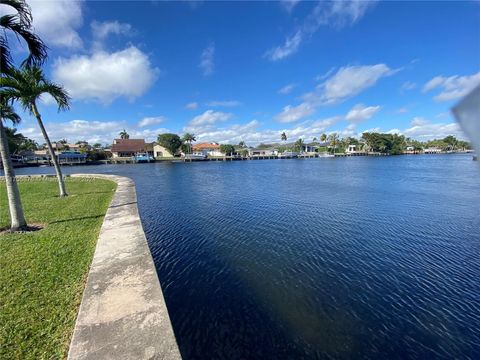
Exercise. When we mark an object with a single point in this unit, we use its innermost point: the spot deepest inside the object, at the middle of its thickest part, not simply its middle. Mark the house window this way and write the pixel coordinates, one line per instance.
(159, 154)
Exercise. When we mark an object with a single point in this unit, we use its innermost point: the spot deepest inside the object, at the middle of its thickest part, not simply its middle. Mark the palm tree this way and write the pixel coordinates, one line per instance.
(26, 86)
(17, 218)
(124, 135)
(242, 144)
(189, 138)
(284, 136)
(299, 144)
(20, 24)
(333, 141)
(323, 138)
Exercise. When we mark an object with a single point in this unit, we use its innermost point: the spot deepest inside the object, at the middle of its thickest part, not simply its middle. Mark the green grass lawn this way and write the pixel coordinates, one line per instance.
(43, 273)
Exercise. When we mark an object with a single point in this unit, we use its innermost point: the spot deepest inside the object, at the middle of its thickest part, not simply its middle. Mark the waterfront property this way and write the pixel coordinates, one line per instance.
(126, 148)
(433, 150)
(207, 149)
(262, 152)
(159, 151)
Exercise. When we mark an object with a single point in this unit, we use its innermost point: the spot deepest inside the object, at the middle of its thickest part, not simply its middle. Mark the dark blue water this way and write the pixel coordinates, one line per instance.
(365, 258)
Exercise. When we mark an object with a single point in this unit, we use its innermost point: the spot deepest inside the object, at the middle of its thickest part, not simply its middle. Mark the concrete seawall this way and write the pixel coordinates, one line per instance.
(123, 314)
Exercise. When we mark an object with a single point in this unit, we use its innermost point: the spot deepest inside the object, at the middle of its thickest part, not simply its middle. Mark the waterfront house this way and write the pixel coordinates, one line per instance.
(158, 151)
(351, 149)
(309, 148)
(262, 152)
(72, 157)
(432, 150)
(122, 148)
(207, 149)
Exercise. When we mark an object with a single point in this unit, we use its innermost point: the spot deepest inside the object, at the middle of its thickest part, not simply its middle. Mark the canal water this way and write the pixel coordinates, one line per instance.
(365, 258)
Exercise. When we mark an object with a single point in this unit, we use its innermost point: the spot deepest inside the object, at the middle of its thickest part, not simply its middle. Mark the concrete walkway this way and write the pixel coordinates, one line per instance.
(123, 313)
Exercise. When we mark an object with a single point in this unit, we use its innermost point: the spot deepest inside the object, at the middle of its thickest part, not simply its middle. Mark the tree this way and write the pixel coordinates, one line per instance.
(17, 142)
(26, 86)
(242, 144)
(314, 139)
(20, 24)
(299, 144)
(124, 135)
(17, 217)
(171, 142)
(189, 138)
(393, 144)
(227, 149)
(323, 138)
(284, 136)
(243, 152)
(451, 142)
(333, 137)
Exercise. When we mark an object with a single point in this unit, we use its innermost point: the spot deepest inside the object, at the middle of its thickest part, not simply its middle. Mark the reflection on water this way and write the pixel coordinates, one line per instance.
(322, 258)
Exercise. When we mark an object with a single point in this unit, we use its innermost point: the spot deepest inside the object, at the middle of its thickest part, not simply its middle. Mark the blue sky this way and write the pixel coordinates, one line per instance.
(232, 71)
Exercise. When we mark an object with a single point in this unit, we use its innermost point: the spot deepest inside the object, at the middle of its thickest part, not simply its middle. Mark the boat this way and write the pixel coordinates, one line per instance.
(289, 155)
(142, 158)
(325, 155)
(195, 156)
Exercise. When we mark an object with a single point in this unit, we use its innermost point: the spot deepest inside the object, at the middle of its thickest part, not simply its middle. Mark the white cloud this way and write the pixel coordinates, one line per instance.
(252, 135)
(92, 131)
(56, 22)
(290, 47)
(206, 60)
(422, 129)
(101, 31)
(149, 121)
(226, 103)
(361, 113)
(428, 131)
(325, 13)
(351, 80)
(210, 117)
(452, 87)
(289, 5)
(401, 110)
(287, 89)
(295, 113)
(442, 115)
(191, 106)
(408, 85)
(345, 83)
(418, 121)
(325, 75)
(106, 76)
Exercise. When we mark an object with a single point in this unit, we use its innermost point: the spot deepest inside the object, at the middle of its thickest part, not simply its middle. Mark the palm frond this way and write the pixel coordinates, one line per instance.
(58, 93)
(37, 49)
(5, 57)
(7, 113)
(22, 9)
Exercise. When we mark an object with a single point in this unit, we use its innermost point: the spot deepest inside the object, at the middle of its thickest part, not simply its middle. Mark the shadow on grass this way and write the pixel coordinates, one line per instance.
(77, 219)
(92, 193)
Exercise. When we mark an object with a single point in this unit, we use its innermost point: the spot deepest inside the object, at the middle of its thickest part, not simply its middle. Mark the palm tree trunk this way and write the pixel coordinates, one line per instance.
(61, 183)
(14, 202)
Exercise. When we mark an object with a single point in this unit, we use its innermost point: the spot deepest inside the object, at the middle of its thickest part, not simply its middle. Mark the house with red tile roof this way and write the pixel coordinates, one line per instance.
(208, 149)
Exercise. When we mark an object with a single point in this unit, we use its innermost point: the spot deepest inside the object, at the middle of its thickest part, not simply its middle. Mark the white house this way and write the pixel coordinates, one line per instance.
(158, 151)
(262, 152)
(352, 148)
(207, 149)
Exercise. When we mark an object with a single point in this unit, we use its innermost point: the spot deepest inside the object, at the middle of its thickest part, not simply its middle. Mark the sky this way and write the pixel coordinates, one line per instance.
(248, 71)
